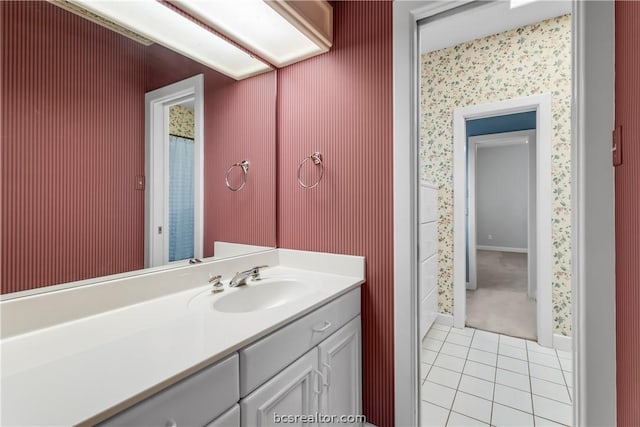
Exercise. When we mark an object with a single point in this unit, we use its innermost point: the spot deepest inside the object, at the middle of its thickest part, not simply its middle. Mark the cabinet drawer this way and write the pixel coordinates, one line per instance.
(194, 401)
(263, 359)
(231, 418)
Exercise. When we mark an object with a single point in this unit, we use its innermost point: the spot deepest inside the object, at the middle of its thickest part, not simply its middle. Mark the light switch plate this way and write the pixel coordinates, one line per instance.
(616, 149)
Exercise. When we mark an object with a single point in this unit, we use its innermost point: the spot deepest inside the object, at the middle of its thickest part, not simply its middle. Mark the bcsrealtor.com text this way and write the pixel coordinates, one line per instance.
(318, 418)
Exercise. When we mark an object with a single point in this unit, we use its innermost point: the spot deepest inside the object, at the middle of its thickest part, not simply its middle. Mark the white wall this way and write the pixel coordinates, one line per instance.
(502, 174)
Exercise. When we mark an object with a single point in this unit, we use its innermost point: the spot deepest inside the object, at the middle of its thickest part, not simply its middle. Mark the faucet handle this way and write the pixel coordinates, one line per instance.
(255, 271)
(215, 280)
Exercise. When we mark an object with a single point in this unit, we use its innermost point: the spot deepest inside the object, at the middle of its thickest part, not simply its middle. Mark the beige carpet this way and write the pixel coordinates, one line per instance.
(501, 304)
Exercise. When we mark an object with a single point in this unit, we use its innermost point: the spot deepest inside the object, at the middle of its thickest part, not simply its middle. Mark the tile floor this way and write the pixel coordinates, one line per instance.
(472, 377)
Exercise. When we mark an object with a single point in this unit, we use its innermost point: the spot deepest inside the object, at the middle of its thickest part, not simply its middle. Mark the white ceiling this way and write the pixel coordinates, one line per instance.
(486, 20)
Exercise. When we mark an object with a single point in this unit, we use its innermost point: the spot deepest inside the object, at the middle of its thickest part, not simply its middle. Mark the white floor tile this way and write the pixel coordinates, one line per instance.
(513, 342)
(459, 420)
(545, 360)
(437, 394)
(454, 350)
(552, 410)
(541, 422)
(513, 380)
(545, 373)
(466, 331)
(513, 398)
(431, 344)
(566, 364)
(537, 348)
(449, 362)
(486, 335)
(472, 406)
(484, 343)
(424, 370)
(565, 355)
(459, 339)
(479, 370)
(437, 334)
(515, 352)
(428, 356)
(440, 327)
(432, 415)
(480, 356)
(503, 416)
(444, 377)
(514, 365)
(476, 387)
(550, 390)
(475, 377)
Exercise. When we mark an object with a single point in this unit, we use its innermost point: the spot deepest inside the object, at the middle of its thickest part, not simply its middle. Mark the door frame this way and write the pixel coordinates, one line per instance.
(502, 140)
(157, 162)
(541, 104)
(593, 259)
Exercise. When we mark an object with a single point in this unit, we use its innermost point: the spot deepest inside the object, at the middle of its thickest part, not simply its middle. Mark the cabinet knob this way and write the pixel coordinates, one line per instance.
(171, 423)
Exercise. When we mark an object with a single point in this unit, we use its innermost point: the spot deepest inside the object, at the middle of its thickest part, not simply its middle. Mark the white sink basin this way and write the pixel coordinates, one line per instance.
(258, 295)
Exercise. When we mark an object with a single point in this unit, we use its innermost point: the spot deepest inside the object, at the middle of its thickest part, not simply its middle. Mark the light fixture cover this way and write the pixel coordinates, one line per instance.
(256, 25)
(165, 26)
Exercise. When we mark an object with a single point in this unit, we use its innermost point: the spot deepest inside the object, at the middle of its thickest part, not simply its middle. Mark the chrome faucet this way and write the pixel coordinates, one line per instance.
(241, 278)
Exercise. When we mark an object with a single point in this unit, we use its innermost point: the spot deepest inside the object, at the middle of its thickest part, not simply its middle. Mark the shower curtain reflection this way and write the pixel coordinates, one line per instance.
(181, 194)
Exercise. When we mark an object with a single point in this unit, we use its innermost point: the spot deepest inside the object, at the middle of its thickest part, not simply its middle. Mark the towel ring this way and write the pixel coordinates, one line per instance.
(244, 165)
(317, 160)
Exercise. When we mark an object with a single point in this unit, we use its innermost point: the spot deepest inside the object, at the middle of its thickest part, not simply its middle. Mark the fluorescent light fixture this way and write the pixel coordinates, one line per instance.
(518, 3)
(255, 25)
(164, 26)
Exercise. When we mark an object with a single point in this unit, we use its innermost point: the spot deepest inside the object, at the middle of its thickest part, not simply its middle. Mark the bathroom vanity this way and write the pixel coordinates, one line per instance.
(287, 344)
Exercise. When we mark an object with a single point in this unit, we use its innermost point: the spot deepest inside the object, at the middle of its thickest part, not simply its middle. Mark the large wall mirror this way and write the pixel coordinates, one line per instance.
(75, 165)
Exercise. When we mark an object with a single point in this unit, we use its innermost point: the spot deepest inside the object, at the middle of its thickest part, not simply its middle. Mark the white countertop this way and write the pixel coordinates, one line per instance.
(74, 371)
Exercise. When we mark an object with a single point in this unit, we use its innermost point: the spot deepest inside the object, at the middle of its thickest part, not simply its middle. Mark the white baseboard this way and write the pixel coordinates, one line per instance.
(502, 249)
(562, 342)
(444, 319)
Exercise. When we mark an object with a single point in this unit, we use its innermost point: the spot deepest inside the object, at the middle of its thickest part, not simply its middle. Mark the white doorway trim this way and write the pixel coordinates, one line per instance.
(157, 105)
(542, 105)
(504, 139)
(593, 262)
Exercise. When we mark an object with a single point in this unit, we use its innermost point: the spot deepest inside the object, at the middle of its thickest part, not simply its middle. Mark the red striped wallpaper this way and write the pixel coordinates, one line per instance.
(627, 181)
(242, 128)
(340, 104)
(73, 143)
(240, 119)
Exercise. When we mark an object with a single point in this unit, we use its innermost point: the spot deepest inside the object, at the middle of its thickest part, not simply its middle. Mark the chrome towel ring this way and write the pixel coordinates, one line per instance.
(244, 165)
(316, 158)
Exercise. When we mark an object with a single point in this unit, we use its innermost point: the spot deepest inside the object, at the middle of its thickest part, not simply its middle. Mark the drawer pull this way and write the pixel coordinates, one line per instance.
(322, 328)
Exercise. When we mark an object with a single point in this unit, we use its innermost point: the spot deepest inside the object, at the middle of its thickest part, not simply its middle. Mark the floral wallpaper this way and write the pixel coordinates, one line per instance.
(529, 60)
(181, 122)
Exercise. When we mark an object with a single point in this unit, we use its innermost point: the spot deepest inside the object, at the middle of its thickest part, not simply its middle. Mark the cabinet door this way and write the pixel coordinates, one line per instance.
(341, 362)
(292, 392)
(231, 418)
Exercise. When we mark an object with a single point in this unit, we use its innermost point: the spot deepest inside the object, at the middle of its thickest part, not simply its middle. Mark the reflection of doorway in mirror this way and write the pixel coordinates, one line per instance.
(174, 165)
